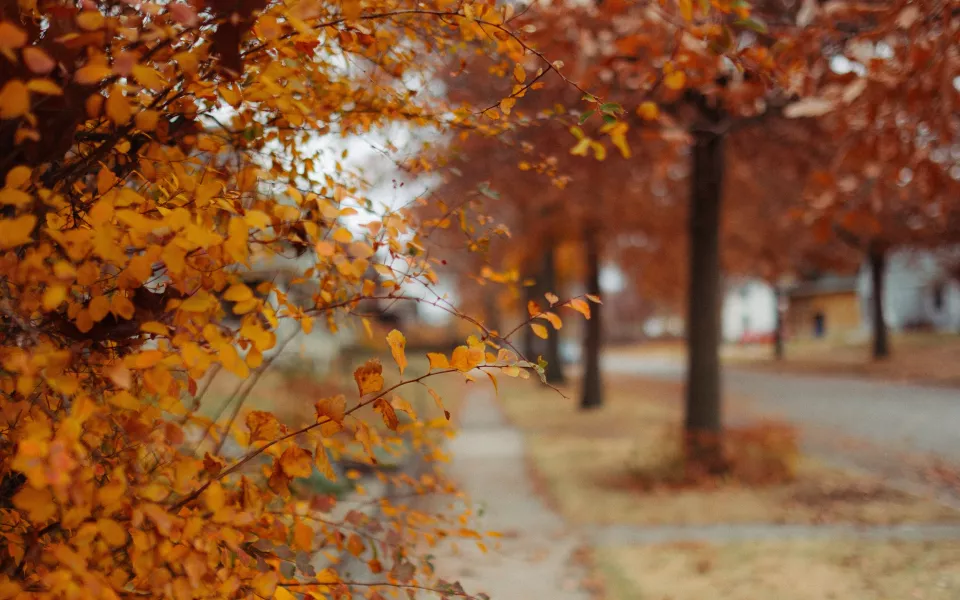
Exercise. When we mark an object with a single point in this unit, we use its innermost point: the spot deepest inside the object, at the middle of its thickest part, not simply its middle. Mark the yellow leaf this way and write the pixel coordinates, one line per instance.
(551, 298)
(148, 77)
(199, 302)
(99, 308)
(438, 361)
(53, 296)
(580, 306)
(334, 408)
(386, 411)
(539, 330)
(231, 361)
(16, 232)
(675, 80)
(117, 108)
(281, 593)
(322, 462)
(296, 462)
(369, 377)
(44, 86)
(493, 380)
(439, 401)
(17, 177)
(265, 584)
(518, 73)
(397, 344)
(14, 100)
(401, 404)
(89, 74)
(648, 111)
(146, 120)
(593, 298)
(686, 9)
(237, 293)
(112, 532)
(14, 197)
(124, 399)
(38, 504)
(154, 327)
(90, 20)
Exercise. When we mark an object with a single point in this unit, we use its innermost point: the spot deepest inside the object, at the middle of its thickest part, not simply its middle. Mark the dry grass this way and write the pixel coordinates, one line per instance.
(784, 570)
(590, 464)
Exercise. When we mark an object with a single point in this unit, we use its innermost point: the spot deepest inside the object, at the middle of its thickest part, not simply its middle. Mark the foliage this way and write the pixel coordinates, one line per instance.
(156, 153)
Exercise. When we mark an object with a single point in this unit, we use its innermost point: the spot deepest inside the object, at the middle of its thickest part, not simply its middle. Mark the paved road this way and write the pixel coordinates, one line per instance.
(905, 417)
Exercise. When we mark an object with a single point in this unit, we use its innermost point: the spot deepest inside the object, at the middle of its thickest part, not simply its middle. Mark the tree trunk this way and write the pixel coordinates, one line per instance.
(591, 393)
(703, 424)
(778, 323)
(552, 352)
(881, 343)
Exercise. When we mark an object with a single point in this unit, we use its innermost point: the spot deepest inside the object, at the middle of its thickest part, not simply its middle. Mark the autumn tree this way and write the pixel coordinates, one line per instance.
(154, 151)
(888, 95)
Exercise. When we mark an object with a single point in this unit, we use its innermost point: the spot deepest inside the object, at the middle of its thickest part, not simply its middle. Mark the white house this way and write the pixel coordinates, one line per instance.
(749, 310)
(919, 292)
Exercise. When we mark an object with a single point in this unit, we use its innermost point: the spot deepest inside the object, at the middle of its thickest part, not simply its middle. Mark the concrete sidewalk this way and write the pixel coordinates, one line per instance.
(535, 559)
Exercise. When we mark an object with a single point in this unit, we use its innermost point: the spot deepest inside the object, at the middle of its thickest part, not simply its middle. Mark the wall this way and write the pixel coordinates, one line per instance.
(841, 312)
(749, 308)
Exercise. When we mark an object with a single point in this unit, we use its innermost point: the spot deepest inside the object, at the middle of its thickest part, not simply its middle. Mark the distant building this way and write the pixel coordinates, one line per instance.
(827, 307)
(920, 292)
(749, 311)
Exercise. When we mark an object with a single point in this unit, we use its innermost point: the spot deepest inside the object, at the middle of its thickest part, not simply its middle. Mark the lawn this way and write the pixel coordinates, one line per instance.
(590, 467)
(783, 570)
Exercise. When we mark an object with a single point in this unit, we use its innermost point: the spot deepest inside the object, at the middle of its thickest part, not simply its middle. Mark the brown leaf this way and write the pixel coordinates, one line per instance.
(386, 411)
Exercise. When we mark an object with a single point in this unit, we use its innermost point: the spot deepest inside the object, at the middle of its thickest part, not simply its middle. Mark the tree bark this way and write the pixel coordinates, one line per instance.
(703, 424)
(881, 343)
(591, 393)
(778, 323)
(552, 351)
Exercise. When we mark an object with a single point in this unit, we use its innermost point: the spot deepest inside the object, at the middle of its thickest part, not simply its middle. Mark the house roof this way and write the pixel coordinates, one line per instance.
(827, 284)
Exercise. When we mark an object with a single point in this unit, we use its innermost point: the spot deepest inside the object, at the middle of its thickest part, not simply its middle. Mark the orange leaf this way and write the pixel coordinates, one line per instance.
(322, 462)
(369, 377)
(296, 462)
(580, 306)
(38, 61)
(551, 298)
(303, 536)
(539, 330)
(386, 411)
(333, 408)
(355, 545)
(553, 318)
(439, 401)
(594, 299)
(533, 308)
(14, 99)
